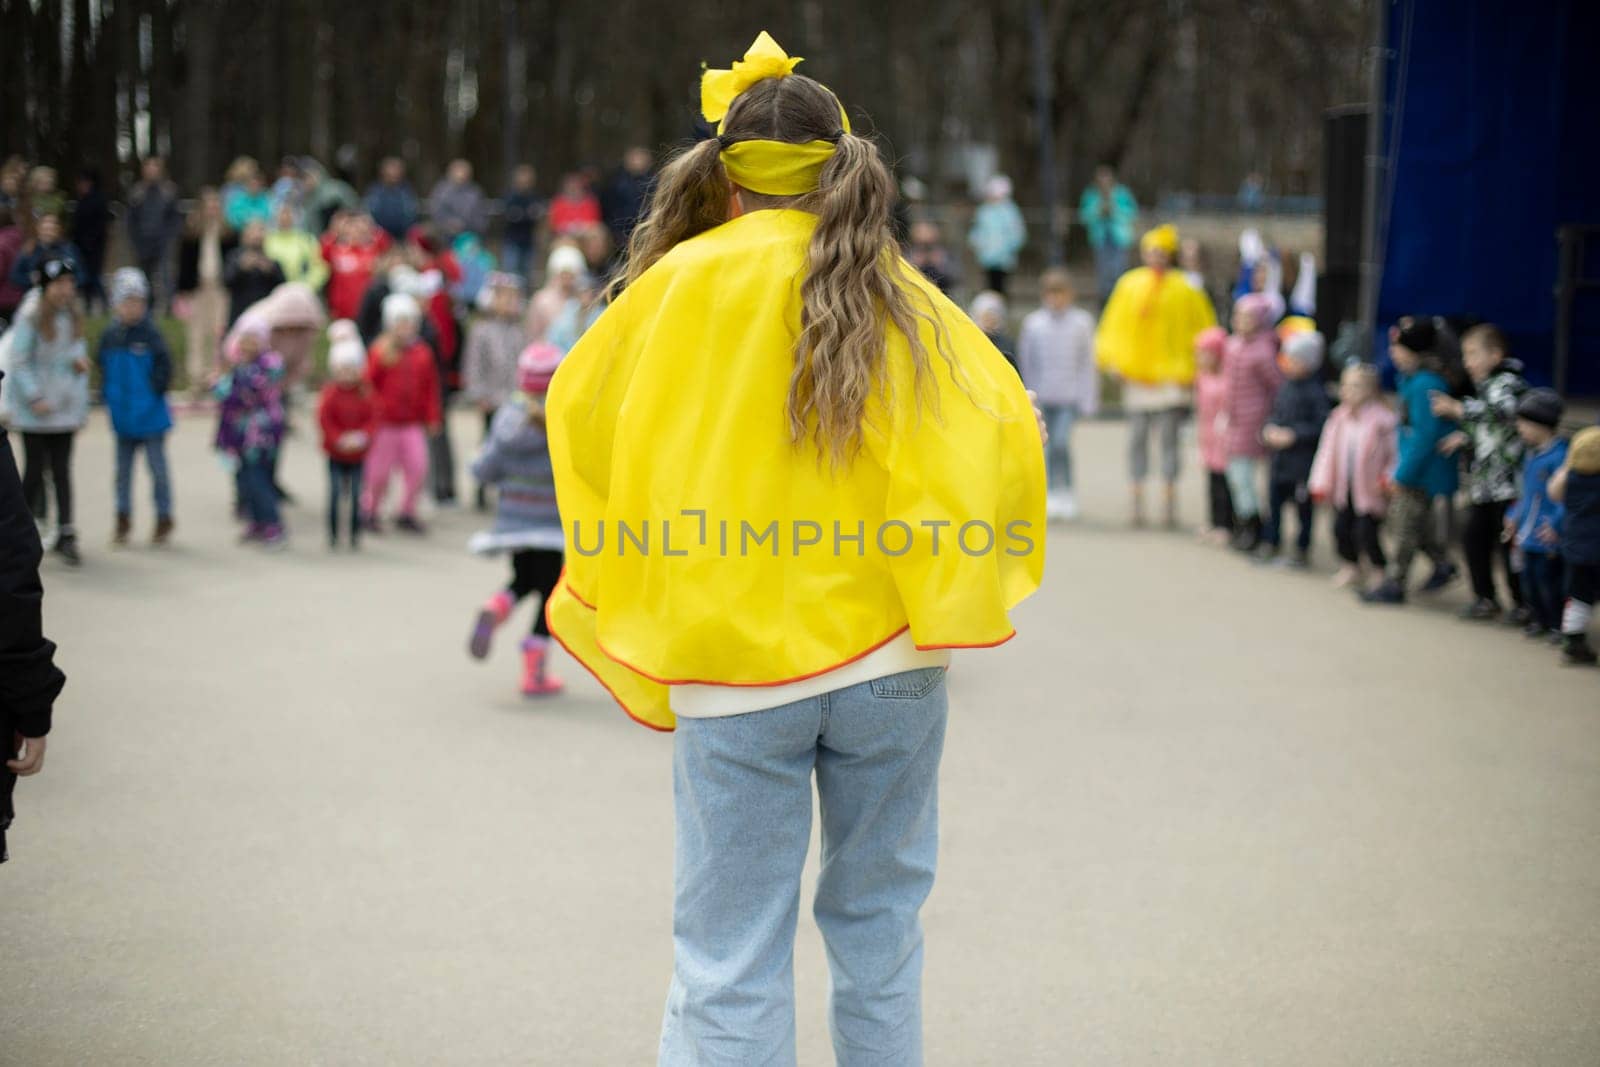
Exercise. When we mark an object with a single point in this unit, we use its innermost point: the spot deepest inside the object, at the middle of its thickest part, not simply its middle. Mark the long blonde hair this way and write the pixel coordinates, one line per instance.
(855, 283)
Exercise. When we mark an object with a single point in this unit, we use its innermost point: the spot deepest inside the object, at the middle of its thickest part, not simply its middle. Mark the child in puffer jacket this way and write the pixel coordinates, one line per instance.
(135, 370)
(1211, 418)
(1351, 471)
(1576, 487)
(348, 417)
(1534, 523)
(1423, 473)
(1250, 367)
(516, 460)
(1298, 413)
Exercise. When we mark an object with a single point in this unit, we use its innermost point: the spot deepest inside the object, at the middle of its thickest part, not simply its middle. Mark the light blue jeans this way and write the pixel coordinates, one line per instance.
(742, 791)
(1058, 421)
(1244, 482)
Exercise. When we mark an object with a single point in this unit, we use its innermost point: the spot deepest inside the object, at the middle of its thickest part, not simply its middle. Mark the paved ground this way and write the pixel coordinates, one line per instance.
(1196, 813)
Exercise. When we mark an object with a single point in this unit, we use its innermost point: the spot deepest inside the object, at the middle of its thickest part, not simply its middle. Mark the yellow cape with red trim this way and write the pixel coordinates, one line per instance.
(704, 546)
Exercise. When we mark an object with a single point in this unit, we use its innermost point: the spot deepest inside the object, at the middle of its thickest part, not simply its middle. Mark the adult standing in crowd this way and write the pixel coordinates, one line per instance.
(153, 222)
(998, 233)
(11, 241)
(202, 255)
(324, 196)
(391, 201)
(627, 194)
(457, 204)
(91, 226)
(524, 211)
(29, 678)
(246, 198)
(1146, 338)
(1109, 213)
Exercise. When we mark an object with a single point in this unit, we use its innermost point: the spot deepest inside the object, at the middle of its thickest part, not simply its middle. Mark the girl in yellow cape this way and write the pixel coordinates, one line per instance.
(1146, 338)
(792, 476)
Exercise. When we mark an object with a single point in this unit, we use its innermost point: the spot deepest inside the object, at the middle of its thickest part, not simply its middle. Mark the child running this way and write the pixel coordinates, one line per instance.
(1351, 471)
(516, 461)
(887, 419)
(405, 385)
(348, 417)
(250, 426)
(135, 370)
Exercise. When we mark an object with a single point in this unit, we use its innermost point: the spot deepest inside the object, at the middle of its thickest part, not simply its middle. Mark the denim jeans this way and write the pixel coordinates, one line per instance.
(1244, 482)
(155, 456)
(1058, 421)
(742, 792)
(344, 480)
(255, 486)
(1109, 264)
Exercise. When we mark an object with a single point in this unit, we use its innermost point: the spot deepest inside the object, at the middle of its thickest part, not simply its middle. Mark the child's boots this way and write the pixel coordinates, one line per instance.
(535, 657)
(495, 611)
(1576, 650)
(164, 528)
(124, 528)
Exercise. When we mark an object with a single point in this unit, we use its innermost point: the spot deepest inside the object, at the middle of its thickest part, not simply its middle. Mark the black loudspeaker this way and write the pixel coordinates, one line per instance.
(1344, 133)
(1344, 175)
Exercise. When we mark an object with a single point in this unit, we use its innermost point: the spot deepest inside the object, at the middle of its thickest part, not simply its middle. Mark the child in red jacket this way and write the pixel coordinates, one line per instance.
(348, 416)
(405, 385)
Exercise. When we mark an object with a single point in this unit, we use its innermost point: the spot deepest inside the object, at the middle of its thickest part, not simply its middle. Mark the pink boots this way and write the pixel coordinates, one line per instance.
(535, 682)
(496, 611)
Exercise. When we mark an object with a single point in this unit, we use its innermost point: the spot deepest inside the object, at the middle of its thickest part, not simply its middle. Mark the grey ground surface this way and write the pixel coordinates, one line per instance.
(1197, 812)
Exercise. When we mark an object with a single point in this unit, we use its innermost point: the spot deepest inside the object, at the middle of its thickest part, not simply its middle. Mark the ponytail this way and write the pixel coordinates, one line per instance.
(691, 196)
(854, 280)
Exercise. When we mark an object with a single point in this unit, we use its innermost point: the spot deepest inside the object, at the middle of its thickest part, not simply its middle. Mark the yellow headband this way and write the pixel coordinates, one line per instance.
(771, 168)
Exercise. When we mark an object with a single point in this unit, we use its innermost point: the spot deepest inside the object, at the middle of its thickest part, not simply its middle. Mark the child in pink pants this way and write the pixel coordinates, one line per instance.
(405, 386)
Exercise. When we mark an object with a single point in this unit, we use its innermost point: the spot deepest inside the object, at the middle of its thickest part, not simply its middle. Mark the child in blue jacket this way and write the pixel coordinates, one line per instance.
(1423, 473)
(1577, 488)
(135, 370)
(1533, 524)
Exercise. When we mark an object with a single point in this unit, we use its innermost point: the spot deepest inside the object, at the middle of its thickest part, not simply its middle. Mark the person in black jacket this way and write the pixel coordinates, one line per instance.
(1292, 433)
(29, 679)
(91, 221)
(248, 272)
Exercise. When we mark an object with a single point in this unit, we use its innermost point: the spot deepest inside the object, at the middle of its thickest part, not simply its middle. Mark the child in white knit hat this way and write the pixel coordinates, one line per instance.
(348, 416)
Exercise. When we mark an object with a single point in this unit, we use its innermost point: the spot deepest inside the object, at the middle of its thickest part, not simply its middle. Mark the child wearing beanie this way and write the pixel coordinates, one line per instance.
(405, 390)
(516, 460)
(1250, 368)
(1422, 473)
(135, 370)
(1351, 471)
(1533, 525)
(1292, 433)
(348, 417)
(1577, 488)
(1210, 407)
(494, 341)
(250, 424)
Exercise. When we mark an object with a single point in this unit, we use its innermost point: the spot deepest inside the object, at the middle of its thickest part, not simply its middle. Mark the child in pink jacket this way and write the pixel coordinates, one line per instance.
(1211, 415)
(1354, 461)
(1250, 368)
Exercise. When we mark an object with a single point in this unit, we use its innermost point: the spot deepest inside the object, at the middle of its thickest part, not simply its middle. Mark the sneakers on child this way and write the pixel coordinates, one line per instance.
(1481, 610)
(1442, 575)
(409, 524)
(1300, 561)
(1389, 592)
(67, 548)
(1519, 616)
(1576, 650)
(274, 538)
(536, 680)
(495, 612)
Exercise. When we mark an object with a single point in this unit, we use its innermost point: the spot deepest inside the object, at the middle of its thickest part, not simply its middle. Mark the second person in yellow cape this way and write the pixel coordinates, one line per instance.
(759, 562)
(1148, 326)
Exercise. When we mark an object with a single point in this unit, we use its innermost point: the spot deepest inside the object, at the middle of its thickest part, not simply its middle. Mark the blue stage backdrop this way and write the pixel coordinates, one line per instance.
(1493, 136)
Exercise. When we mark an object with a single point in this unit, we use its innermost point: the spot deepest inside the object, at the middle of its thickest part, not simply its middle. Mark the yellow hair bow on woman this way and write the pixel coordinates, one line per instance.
(764, 59)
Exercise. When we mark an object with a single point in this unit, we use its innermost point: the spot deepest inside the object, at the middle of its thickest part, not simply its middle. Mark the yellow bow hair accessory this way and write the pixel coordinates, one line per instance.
(764, 59)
